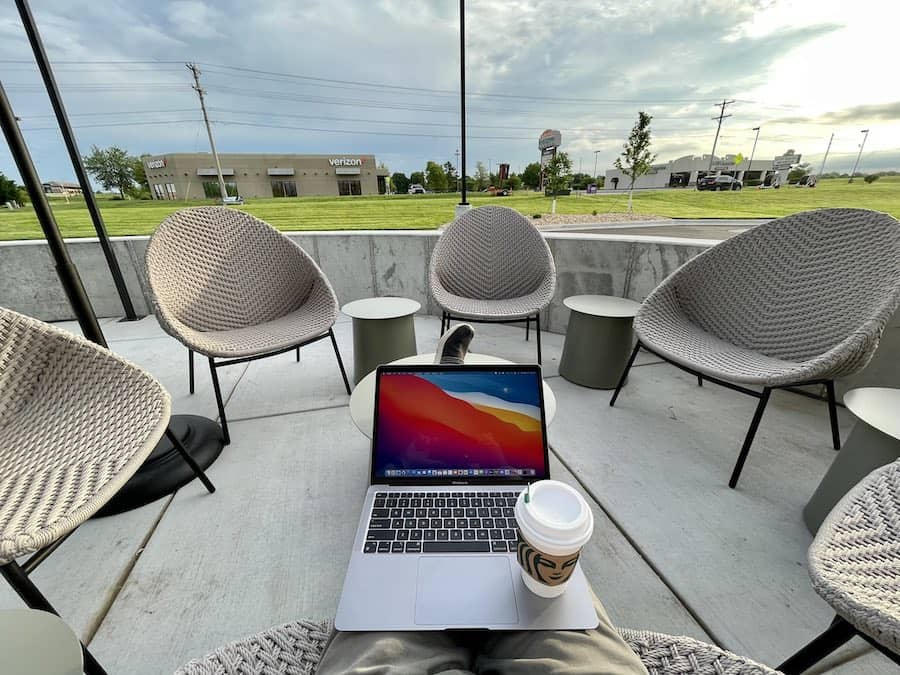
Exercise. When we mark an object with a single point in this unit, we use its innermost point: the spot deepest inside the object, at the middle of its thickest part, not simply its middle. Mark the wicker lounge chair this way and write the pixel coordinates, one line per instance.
(297, 648)
(232, 287)
(491, 265)
(800, 300)
(854, 564)
(76, 422)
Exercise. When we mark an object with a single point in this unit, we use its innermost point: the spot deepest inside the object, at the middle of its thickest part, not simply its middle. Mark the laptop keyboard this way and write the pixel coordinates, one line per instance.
(442, 522)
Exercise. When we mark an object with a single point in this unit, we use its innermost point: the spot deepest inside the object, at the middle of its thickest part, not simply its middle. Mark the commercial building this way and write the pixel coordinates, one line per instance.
(59, 188)
(193, 175)
(685, 171)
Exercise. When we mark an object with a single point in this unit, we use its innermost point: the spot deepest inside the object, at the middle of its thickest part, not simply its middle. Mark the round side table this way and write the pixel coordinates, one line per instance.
(33, 642)
(383, 331)
(362, 400)
(599, 340)
(874, 442)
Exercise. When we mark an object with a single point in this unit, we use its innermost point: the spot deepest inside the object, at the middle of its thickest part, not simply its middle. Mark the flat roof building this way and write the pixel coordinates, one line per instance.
(685, 171)
(193, 175)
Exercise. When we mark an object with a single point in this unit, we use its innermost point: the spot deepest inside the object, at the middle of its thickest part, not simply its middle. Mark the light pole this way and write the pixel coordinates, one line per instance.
(822, 170)
(865, 133)
(462, 100)
(753, 151)
(596, 152)
(457, 171)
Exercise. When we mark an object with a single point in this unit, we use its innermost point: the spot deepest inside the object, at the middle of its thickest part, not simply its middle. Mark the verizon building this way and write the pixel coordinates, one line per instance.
(193, 175)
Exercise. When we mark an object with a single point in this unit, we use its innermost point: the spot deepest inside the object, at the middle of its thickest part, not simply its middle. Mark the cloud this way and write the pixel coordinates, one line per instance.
(194, 19)
(869, 112)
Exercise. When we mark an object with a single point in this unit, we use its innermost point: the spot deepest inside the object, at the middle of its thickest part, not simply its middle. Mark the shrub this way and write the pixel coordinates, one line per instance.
(752, 183)
(536, 215)
(871, 178)
(594, 212)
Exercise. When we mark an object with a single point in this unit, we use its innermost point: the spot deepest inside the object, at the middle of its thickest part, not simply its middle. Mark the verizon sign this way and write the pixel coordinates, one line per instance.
(345, 161)
(156, 163)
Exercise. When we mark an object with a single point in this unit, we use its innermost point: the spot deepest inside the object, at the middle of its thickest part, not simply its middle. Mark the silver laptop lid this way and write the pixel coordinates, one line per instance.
(459, 425)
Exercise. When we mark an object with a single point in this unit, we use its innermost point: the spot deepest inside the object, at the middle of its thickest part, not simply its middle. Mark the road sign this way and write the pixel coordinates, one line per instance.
(783, 162)
(551, 138)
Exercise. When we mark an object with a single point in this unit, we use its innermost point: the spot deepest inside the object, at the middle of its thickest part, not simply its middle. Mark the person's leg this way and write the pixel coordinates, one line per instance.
(600, 651)
(397, 653)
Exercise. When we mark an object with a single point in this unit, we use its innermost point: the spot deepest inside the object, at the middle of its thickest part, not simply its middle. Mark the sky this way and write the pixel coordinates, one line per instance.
(382, 77)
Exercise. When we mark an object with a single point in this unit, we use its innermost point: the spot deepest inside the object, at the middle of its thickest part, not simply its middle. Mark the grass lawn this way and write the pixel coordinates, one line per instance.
(431, 211)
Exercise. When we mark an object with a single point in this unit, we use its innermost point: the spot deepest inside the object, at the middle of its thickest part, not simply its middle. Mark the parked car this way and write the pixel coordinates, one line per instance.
(416, 189)
(232, 201)
(498, 192)
(719, 183)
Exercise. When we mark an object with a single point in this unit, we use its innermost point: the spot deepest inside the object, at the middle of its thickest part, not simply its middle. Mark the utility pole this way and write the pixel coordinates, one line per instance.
(721, 116)
(212, 144)
(596, 152)
(822, 170)
(753, 151)
(861, 146)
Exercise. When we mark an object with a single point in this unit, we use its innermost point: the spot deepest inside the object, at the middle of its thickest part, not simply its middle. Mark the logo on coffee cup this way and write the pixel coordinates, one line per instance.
(551, 570)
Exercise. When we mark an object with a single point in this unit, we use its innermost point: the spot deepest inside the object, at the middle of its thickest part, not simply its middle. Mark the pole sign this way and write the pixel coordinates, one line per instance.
(551, 138)
(785, 161)
(503, 172)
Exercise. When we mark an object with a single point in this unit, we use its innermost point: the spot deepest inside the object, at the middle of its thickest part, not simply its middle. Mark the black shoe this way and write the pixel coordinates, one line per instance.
(454, 344)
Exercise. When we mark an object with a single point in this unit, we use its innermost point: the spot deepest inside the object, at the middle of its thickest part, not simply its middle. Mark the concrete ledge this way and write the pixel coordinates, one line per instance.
(365, 263)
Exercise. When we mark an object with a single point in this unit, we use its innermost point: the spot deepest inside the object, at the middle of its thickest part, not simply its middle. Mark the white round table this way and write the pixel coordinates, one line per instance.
(874, 442)
(383, 330)
(362, 400)
(34, 642)
(599, 339)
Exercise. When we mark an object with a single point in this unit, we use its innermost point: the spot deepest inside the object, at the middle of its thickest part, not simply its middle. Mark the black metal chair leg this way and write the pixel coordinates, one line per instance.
(340, 362)
(191, 371)
(173, 439)
(219, 402)
(527, 327)
(838, 634)
(748, 439)
(537, 330)
(699, 381)
(298, 354)
(832, 414)
(32, 597)
(634, 353)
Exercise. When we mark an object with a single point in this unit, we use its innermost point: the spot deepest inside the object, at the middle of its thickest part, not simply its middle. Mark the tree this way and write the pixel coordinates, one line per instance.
(871, 178)
(452, 177)
(9, 191)
(636, 153)
(514, 182)
(400, 182)
(531, 176)
(481, 176)
(113, 167)
(798, 172)
(559, 175)
(435, 178)
(417, 177)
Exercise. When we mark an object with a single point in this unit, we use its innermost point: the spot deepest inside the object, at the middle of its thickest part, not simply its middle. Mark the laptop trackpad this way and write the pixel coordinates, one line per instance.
(469, 592)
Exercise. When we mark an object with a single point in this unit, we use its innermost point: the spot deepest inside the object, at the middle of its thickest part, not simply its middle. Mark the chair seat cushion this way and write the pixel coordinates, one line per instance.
(306, 323)
(676, 338)
(509, 308)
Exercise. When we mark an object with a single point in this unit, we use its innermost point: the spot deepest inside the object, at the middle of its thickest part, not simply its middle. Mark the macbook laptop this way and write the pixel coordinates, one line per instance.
(452, 448)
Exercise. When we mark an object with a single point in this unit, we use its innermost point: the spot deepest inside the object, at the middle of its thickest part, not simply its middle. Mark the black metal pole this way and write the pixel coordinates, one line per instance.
(462, 96)
(69, 137)
(68, 275)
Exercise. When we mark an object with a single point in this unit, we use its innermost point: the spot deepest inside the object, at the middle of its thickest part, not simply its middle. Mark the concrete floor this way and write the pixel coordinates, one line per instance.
(674, 549)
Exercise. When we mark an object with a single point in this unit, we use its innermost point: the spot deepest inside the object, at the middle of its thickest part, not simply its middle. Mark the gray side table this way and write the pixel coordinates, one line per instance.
(34, 642)
(599, 340)
(874, 442)
(383, 331)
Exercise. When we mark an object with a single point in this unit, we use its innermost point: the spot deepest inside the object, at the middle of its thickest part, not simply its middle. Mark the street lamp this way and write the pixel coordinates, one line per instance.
(596, 152)
(865, 133)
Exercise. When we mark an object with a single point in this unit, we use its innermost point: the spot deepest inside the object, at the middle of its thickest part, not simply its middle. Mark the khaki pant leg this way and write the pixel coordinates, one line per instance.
(396, 653)
(600, 651)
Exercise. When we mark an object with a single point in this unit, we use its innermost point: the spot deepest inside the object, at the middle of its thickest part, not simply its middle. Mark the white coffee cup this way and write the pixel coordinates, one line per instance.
(555, 522)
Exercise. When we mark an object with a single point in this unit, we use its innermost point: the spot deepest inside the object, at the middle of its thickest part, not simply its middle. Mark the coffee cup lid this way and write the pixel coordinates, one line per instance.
(556, 518)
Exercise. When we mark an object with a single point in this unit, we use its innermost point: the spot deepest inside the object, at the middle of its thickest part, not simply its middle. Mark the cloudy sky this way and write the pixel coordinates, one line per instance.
(382, 77)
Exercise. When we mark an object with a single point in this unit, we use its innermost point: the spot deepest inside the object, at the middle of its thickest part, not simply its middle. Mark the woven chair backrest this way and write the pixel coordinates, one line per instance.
(492, 253)
(795, 287)
(217, 268)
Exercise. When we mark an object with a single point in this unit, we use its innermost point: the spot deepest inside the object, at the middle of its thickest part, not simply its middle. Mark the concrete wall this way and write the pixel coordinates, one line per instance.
(368, 263)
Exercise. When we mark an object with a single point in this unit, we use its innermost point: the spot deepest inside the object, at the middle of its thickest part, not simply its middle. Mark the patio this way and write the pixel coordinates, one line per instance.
(674, 549)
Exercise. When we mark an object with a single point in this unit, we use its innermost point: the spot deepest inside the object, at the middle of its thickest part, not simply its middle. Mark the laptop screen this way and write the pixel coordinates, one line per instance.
(459, 423)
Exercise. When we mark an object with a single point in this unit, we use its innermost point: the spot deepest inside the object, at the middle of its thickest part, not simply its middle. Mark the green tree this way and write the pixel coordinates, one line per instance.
(482, 180)
(417, 177)
(452, 177)
(113, 168)
(436, 179)
(514, 182)
(637, 157)
(9, 191)
(559, 175)
(400, 182)
(531, 176)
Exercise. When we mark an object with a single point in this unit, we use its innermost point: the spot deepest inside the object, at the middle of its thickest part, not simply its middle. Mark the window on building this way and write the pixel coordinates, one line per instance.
(170, 191)
(158, 191)
(349, 187)
(211, 189)
(284, 188)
